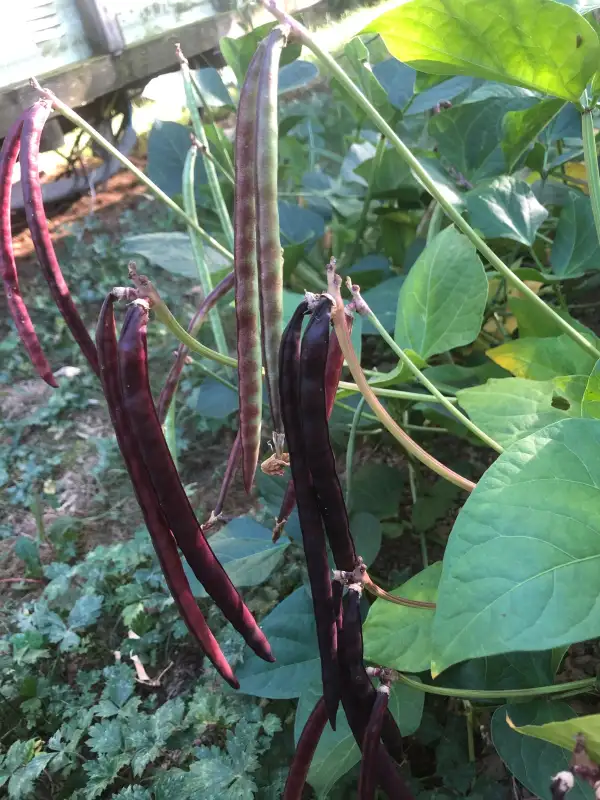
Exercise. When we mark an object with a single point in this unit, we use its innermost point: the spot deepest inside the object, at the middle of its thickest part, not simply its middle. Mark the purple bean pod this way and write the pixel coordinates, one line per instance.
(305, 750)
(158, 528)
(8, 265)
(137, 398)
(315, 430)
(270, 253)
(313, 535)
(247, 303)
(368, 769)
(33, 126)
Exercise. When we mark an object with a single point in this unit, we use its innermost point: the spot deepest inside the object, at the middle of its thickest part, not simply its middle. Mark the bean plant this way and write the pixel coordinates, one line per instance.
(424, 281)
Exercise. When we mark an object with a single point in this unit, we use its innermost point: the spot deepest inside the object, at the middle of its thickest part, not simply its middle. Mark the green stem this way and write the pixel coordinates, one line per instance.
(168, 320)
(71, 115)
(435, 223)
(412, 480)
(381, 391)
(411, 447)
(214, 375)
(350, 449)
(218, 166)
(189, 204)
(200, 134)
(210, 116)
(364, 215)
(591, 164)
(585, 685)
(432, 387)
(164, 315)
(327, 59)
(170, 432)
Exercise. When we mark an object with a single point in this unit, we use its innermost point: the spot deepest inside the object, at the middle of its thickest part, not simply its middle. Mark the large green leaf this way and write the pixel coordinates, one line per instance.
(377, 488)
(575, 249)
(521, 570)
(168, 145)
(290, 628)
(590, 402)
(543, 359)
(246, 551)
(399, 636)
(521, 128)
(532, 761)
(534, 43)
(355, 60)
(383, 301)
(563, 732)
(468, 136)
(337, 751)
(442, 300)
(173, 252)
(506, 671)
(506, 209)
(511, 408)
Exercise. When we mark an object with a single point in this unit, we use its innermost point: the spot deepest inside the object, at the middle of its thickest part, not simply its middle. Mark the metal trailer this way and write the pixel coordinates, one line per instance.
(92, 53)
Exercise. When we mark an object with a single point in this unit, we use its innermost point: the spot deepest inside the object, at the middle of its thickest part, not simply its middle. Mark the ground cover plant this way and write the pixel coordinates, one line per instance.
(445, 165)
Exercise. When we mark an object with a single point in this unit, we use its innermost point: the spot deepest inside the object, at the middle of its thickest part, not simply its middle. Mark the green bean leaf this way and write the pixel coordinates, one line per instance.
(575, 250)
(563, 732)
(510, 408)
(532, 761)
(398, 636)
(590, 403)
(290, 629)
(246, 551)
(539, 44)
(521, 567)
(543, 359)
(442, 300)
(506, 209)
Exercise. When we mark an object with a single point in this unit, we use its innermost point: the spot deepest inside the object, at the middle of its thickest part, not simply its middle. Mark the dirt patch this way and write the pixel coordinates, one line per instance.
(122, 191)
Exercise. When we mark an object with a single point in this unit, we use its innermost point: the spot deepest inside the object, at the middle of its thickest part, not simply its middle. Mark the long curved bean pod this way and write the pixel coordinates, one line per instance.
(319, 454)
(358, 695)
(162, 538)
(247, 303)
(198, 127)
(287, 506)
(313, 535)
(368, 768)
(270, 254)
(334, 365)
(305, 750)
(8, 265)
(233, 463)
(137, 399)
(333, 373)
(189, 205)
(33, 125)
(172, 381)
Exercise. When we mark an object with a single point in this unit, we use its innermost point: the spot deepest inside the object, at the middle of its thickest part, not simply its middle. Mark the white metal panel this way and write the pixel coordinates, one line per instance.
(140, 19)
(38, 36)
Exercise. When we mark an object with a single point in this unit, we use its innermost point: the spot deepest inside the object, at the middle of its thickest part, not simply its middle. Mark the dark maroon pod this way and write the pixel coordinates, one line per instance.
(34, 121)
(368, 769)
(8, 265)
(313, 535)
(158, 528)
(307, 744)
(315, 431)
(139, 406)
